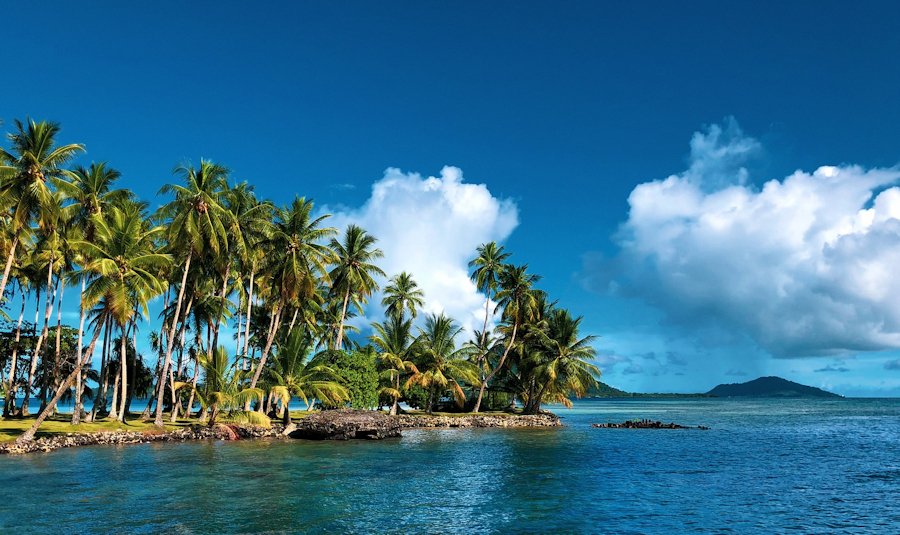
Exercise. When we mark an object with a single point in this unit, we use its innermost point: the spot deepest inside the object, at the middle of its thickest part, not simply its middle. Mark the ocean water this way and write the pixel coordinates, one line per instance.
(766, 466)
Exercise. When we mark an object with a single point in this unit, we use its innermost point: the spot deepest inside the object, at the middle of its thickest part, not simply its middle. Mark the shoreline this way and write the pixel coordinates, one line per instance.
(229, 432)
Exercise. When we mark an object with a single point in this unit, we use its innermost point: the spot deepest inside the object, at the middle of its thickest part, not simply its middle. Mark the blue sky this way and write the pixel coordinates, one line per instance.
(562, 112)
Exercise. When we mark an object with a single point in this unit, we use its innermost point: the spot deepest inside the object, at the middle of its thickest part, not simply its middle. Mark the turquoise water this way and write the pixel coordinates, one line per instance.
(805, 466)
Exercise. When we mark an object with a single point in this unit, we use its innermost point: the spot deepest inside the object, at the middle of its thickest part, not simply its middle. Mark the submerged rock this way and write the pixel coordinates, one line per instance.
(646, 424)
(346, 425)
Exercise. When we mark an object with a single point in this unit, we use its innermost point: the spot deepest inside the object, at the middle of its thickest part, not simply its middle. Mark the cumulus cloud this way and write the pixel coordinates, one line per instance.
(804, 265)
(430, 227)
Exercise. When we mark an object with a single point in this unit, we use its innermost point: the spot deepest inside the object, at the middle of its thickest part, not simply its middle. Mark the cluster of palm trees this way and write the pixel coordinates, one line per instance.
(216, 255)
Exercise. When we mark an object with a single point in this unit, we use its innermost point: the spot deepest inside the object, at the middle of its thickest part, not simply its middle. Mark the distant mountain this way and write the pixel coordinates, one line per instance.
(603, 390)
(770, 387)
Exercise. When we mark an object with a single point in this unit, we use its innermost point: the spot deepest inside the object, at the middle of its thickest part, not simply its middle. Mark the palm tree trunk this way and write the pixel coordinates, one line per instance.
(340, 336)
(9, 262)
(28, 435)
(114, 409)
(221, 317)
(190, 403)
(123, 364)
(158, 421)
(8, 406)
(102, 389)
(487, 304)
(49, 375)
(534, 404)
(491, 375)
(48, 311)
(293, 321)
(56, 363)
(396, 403)
(249, 310)
(240, 332)
(76, 412)
(273, 328)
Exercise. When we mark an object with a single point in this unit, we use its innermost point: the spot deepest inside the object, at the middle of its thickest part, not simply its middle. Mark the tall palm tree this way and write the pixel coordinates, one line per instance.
(90, 192)
(197, 223)
(295, 374)
(298, 261)
(252, 225)
(486, 268)
(401, 294)
(47, 252)
(34, 159)
(441, 366)
(517, 298)
(561, 367)
(352, 275)
(123, 267)
(392, 338)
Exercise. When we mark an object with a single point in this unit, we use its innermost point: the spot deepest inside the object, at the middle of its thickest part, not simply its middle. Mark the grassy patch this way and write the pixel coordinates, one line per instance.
(61, 424)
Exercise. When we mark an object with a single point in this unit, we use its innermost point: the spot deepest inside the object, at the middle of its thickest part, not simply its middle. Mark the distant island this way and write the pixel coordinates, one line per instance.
(770, 387)
(603, 390)
(763, 387)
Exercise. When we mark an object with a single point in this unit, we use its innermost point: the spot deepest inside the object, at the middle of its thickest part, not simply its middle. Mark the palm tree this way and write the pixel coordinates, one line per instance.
(561, 366)
(298, 260)
(392, 338)
(35, 159)
(90, 191)
(401, 294)
(353, 272)
(252, 224)
(123, 267)
(441, 365)
(517, 299)
(48, 252)
(197, 223)
(486, 268)
(222, 384)
(295, 374)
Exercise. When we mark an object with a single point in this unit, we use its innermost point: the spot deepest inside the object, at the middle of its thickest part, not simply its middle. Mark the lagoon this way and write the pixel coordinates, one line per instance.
(765, 466)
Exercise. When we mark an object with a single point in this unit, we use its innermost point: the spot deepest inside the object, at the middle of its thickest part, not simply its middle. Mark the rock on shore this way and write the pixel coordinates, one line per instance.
(408, 421)
(346, 424)
(194, 432)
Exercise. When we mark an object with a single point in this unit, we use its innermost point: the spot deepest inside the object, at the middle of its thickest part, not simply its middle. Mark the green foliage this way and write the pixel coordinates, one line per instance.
(355, 371)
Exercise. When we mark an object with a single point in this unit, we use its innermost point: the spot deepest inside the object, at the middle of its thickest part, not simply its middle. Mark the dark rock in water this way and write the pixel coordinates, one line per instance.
(346, 425)
(646, 424)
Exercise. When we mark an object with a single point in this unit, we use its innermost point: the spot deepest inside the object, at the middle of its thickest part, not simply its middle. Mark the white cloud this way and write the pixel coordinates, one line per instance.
(805, 265)
(431, 227)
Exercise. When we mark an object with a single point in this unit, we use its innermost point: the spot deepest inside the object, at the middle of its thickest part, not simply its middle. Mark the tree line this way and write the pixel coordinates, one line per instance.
(287, 283)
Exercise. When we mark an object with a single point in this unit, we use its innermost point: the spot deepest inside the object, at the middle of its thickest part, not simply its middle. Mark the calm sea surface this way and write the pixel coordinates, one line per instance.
(805, 466)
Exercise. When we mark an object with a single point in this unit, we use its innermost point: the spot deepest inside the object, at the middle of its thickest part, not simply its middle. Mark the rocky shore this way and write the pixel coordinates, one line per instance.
(480, 420)
(328, 425)
(195, 432)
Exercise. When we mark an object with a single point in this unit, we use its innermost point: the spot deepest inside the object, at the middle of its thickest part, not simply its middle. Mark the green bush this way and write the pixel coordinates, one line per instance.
(355, 371)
